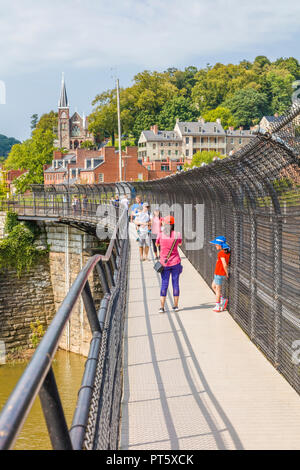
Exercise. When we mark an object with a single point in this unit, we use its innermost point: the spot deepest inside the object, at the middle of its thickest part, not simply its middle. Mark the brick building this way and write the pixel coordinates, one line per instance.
(84, 166)
(9, 177)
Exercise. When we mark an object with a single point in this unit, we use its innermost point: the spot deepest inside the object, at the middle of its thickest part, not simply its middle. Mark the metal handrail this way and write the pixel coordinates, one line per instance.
(38, 376)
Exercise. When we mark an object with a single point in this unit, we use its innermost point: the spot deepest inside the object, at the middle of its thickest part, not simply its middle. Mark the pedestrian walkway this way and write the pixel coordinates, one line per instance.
(193, 379)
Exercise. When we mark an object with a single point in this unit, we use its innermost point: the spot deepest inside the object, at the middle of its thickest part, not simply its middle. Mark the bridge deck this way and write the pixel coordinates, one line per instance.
(193, 379)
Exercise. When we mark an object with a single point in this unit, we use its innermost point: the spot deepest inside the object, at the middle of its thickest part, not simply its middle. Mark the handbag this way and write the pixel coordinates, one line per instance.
(160, 267)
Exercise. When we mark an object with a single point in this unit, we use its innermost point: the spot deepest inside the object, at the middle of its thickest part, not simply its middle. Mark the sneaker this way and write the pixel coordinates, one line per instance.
(224, 304)
(217, 309)
(161, 310)
(176, 309)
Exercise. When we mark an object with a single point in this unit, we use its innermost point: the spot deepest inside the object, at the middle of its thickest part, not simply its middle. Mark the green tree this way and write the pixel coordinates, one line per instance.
(178, 107)
(34, 120)
(87, 144)
(31, 155)
(213, 85)
(48, 122)
(279, 82)
(104, 120)
(203, 157)
(247, 105)
(143, 122)
(222, 113)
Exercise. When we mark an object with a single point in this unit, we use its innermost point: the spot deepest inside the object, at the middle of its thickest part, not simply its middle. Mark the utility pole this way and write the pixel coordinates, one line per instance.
(119, 131)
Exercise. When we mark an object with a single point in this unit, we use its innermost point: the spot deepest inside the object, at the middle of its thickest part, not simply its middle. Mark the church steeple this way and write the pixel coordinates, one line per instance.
(63, 101)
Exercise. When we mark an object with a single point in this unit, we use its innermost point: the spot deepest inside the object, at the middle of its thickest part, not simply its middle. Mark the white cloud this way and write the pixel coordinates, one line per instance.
(152, 33)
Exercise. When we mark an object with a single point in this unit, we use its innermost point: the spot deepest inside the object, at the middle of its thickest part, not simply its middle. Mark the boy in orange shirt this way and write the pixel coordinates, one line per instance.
(221, 272)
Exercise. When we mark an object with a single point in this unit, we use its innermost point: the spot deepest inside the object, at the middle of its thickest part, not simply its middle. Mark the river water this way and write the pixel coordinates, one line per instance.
(68, 370)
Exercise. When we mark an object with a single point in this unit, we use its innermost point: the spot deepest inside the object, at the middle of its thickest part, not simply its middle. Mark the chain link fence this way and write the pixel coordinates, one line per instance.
(253, 198)
(102, 431)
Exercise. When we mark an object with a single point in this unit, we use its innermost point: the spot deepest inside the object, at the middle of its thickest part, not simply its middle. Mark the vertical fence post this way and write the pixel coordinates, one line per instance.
(236, 254)
(277, 230)
(54, 414)
(253, 272)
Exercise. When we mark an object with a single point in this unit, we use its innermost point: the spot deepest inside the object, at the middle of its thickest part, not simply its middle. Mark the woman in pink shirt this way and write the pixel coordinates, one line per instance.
(155, 230)
(172, 266)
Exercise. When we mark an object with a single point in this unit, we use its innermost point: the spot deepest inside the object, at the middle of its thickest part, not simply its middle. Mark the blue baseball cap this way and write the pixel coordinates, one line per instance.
(218, 241)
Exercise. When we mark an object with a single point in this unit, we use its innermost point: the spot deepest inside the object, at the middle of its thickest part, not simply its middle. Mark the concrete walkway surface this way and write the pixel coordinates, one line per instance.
(193, 379)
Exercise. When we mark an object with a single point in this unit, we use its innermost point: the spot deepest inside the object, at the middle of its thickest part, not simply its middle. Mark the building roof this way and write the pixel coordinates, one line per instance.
(272, 119)
(92, 169)
(200, 128)
(63, 100)
(161, 136)
(51, 169)
(240, 133)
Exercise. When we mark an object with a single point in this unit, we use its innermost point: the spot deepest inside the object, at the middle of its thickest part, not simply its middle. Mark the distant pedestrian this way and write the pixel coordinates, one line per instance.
(124, 202)
(221, 272)
(142, 221)
(155, 230)
(84, 204)
(168, 241)
(138, 205)
(74, 205)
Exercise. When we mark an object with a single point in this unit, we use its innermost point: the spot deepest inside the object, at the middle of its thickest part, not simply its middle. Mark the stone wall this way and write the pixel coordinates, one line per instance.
(70, 249)
(37, 295)
(22, 301)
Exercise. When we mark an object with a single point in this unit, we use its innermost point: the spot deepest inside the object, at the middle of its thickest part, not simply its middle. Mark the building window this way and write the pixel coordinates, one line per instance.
(185, 129)
(176, 144)
(140, 176)
(100, 177)
(194, 140)
(240, 141)
(161, 152)
(187, 139)
(161, 144)
(176, 152)
(165, 168)
(231, 140)
(179, 167)
(169, 152)
(154, 146)
(186, 153)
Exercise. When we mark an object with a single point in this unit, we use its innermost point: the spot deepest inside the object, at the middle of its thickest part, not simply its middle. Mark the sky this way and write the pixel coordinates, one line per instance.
(94, 41)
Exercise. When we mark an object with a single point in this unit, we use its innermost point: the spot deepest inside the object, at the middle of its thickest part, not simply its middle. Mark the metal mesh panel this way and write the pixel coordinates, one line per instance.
(103, 425)
(253, 198)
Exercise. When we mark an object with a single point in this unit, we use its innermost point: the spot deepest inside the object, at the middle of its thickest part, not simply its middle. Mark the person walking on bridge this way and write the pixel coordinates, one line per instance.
(168, 241)
(142, 221)
(221, 272)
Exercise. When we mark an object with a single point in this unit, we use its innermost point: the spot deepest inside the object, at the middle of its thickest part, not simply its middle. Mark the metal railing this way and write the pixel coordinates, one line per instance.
(253, 198)
(78, 203)
(38, 377)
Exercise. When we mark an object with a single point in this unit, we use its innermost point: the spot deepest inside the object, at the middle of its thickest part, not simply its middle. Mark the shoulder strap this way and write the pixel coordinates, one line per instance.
(171, 249)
